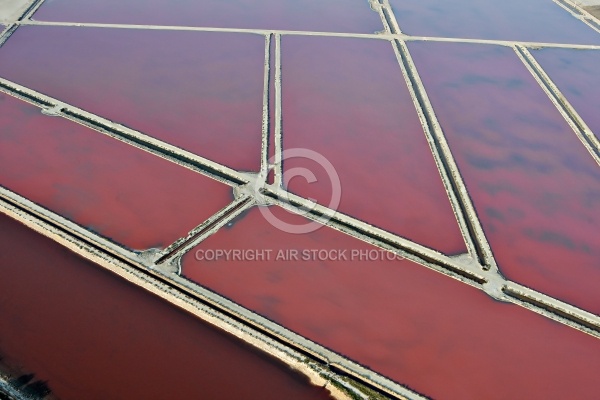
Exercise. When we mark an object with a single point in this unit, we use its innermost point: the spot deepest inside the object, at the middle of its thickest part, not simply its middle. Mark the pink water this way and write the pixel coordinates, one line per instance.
(534, 185)
(346, 99)
(92, 335)
(531, 20)
(416, 326)
(200, 91)
(307, 15)
(132, 197)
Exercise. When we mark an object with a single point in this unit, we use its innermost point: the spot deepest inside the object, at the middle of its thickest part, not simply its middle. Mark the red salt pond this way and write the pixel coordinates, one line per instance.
(441, 337)
(201, 91)
(534, 185)
(306, 15)
(575, 72)
(531, 20)
(346, 99)
(132, 197)
(92, 335)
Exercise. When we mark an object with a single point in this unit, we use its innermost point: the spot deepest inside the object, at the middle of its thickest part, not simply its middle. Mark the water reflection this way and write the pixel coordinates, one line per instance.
(533, 183)
(575, 72)
(347, 100)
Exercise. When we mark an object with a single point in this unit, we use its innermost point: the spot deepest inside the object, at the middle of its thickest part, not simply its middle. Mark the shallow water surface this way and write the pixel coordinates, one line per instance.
(535, 187)
(291, 15)
(200, 91)
(92, 335)
(347, 100)
(413, 325)
(530, 20)
(132, 197)
(575, 72)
